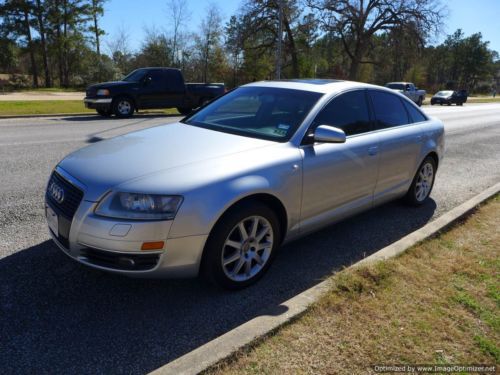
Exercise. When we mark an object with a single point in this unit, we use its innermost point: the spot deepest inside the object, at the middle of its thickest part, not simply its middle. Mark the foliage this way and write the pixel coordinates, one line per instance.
(58, 42)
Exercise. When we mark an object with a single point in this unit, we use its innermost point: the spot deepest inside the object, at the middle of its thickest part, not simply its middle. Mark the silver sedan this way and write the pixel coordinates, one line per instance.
(218, 192)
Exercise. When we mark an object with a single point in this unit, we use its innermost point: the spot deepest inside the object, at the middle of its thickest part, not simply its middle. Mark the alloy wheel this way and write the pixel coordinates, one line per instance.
(424, 181)
(247, 248)
(124, 107)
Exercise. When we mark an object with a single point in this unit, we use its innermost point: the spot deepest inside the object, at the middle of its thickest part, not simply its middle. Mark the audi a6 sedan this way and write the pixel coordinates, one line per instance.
(218, 192)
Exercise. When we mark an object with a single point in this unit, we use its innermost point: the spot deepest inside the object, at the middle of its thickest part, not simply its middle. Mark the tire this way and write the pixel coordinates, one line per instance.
(123, 107)
(232, 262)
(420, 101)
(460, 103)
(104, 113)
(423, 182)
(184, 111)
(448, 104)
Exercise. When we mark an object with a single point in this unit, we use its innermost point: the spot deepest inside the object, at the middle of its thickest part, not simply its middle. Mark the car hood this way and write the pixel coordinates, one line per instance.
(104, 165)
(107, 85)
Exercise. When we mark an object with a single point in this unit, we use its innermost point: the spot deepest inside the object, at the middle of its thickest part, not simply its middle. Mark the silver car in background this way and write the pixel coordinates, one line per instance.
(217, 193)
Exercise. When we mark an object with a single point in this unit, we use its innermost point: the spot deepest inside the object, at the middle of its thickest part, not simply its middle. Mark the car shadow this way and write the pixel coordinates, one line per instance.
(93, 117)
(56, 314)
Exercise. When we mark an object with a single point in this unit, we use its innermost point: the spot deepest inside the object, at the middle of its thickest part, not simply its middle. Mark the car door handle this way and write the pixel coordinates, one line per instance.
(373, 150)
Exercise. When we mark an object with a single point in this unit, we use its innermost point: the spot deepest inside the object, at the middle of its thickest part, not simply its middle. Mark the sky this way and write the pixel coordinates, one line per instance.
(135, 15)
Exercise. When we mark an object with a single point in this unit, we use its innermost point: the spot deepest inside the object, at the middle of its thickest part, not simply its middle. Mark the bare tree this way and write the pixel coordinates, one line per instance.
(119, 48)
(179, 13)
(209, 37)
(357, 21)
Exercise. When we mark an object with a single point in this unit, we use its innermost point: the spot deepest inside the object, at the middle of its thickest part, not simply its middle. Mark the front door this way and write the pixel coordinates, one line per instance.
(339, 178)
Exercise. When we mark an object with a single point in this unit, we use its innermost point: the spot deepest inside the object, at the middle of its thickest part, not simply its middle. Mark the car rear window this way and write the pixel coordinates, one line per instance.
(415, 114)
(389, 110)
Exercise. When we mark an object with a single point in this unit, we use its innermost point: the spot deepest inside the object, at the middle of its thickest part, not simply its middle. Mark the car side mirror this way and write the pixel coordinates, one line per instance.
(329, 134)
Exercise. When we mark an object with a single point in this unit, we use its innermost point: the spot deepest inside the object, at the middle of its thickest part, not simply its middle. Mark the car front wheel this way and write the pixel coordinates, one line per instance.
(123, 107)
(422, 183)
(242, 246)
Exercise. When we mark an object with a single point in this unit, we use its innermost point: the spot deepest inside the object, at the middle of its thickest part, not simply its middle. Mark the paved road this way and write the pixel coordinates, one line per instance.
(61, 317)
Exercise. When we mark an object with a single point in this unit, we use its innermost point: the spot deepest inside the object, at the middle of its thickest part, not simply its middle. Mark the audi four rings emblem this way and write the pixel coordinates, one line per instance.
(56, 192)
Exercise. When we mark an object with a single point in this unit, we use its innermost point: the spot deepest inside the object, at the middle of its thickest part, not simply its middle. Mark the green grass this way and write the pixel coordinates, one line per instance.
(438, 303)
(50, 107)
(38, 107)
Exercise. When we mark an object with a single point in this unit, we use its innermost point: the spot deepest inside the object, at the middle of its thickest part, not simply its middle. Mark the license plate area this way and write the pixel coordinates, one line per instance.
(52, 220)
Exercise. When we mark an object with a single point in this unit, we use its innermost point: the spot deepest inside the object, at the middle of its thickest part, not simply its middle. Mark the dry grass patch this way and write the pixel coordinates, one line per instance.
(436, 304)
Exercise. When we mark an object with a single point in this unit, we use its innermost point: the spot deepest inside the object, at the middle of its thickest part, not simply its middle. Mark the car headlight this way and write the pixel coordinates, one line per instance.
(138, 206)
(103, 92)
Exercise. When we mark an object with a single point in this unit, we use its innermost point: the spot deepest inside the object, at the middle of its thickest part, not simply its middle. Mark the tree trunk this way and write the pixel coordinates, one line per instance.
(59, 43)
(41, 30)
(34, 69)
(356, 59)
(65, 45)
(97, 42)
(207, 51)
(293, 48)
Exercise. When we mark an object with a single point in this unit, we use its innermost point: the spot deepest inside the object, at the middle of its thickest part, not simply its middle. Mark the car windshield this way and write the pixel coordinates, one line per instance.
(135, 76)
(444, 93)
(395, 86)
(259, 112)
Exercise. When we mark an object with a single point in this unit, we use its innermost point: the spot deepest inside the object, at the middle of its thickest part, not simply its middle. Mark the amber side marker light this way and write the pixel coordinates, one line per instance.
(158, 245)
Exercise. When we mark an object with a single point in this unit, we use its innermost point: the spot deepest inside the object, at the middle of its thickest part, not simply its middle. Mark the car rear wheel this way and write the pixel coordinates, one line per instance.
(419, 101)
(241, 247)
(422, 183)
(123, 107)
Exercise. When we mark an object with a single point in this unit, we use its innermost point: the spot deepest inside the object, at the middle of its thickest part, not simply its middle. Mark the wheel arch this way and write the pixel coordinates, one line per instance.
(269, 200)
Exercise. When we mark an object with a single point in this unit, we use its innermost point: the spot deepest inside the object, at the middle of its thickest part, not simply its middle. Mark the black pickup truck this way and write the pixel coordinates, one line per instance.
(150, 88)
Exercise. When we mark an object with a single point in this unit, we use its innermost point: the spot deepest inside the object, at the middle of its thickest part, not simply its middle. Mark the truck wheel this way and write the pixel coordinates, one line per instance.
(104, 113)
(123, 107)
(419, 101)
(184, 111)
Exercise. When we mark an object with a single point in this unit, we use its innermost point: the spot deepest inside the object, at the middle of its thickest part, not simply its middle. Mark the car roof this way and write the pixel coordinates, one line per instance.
(323, 86)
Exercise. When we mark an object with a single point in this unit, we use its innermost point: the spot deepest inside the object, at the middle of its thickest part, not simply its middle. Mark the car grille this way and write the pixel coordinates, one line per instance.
(120, 261)
(72, 197)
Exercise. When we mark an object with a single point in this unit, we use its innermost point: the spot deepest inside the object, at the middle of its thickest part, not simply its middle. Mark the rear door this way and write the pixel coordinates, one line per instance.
(175, 89)
(339, 178)
(400, 143)
(154, 92)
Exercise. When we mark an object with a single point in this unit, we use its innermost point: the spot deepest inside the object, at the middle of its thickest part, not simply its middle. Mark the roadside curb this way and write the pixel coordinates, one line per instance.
(6, 117)
(226, 345)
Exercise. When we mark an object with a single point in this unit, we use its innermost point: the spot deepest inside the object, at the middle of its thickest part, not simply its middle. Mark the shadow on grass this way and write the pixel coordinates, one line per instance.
(56, 314)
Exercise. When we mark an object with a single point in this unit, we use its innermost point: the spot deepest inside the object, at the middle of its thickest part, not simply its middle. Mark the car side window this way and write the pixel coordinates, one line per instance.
(389, 110)
(415, 114)
(348, 111)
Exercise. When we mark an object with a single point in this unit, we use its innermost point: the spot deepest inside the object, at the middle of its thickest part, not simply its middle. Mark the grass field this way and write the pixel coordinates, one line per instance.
(436, 304)
(35, 107)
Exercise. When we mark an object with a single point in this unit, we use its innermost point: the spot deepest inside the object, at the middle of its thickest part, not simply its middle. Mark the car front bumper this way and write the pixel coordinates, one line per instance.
(98, 103)
(114, 245)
